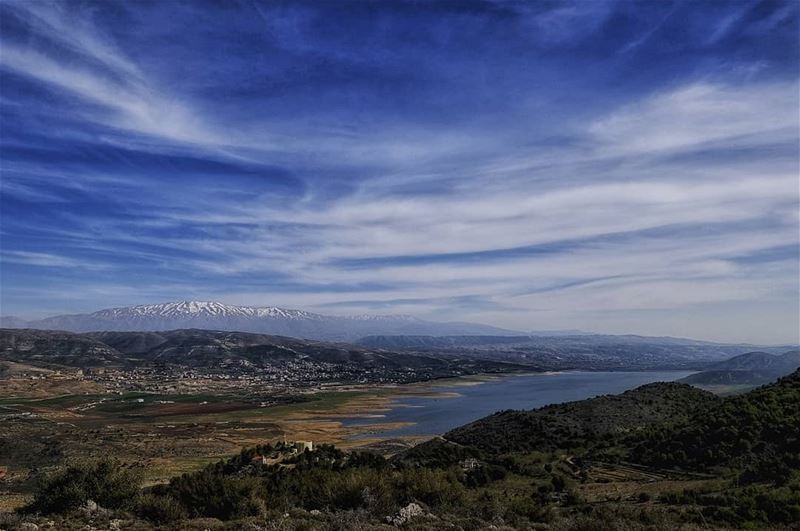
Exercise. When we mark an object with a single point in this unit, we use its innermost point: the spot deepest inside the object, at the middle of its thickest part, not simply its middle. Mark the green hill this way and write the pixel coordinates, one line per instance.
(728, 377)
(758, 431)
(752, 368)
(586, 422)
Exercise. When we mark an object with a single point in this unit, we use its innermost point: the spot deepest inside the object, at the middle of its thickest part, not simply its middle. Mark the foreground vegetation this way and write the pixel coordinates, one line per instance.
(662, 456)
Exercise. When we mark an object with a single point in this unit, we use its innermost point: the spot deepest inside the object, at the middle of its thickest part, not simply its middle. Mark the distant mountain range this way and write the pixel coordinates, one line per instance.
(231, 352)
(564, 351)
(552, 350)
(260, 320)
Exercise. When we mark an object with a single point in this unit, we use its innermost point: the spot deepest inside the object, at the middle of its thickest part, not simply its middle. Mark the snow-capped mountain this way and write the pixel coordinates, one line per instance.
(263, 320)
(199, 309)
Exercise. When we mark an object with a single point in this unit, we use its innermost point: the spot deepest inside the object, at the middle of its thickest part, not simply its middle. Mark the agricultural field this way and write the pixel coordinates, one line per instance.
(170, 434)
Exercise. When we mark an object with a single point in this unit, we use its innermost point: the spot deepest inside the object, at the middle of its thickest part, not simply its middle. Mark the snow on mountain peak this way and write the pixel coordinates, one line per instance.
(213, 315)
(191, 309)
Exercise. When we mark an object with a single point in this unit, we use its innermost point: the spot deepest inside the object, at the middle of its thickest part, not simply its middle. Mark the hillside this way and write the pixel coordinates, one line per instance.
(235, 352)
(758, 430)
(760, 361)
(669, 425)
(48, 348)
(576, 424)
(723, 377)
(752, 368)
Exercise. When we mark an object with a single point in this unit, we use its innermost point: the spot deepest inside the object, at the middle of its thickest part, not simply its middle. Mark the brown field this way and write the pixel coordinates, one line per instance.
(52, 420)
(177, 433)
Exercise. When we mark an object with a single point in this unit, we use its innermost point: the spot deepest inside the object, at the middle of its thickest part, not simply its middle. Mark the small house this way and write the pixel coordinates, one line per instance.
(303, 446)
(470, 464)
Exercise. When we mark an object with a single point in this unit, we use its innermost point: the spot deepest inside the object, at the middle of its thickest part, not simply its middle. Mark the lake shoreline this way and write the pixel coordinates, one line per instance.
(407, 405)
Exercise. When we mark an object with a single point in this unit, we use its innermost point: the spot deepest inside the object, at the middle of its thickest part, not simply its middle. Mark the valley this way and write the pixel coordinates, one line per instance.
(658, 456)
(178, 431)
(399, 265)
(172, 403)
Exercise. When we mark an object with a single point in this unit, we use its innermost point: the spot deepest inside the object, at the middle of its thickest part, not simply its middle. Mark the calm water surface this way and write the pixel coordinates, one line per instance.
(434, 416)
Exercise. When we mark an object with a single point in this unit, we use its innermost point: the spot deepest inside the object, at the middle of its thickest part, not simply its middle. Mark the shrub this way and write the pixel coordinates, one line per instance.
(107, 482)
(208, 493)
(160, 508)
(430, 486)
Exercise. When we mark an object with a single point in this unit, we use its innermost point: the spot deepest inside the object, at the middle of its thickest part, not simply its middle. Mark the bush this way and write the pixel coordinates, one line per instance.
(430, 486)
(160, 508)
(209, 493)
(107, 482)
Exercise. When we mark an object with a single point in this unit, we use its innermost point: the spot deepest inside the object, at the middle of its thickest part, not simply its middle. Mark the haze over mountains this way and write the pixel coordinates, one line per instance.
(594, 351)
(261, 320)
(552, 350)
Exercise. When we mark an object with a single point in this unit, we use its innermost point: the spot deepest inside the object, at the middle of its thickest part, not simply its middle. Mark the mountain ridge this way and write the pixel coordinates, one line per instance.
(211, 315)
(234, 352)
(609, 352)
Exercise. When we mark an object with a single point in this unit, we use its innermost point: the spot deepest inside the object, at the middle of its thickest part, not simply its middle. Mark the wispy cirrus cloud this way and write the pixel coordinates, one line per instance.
(48, 260)
(561, 178)
(127, 103)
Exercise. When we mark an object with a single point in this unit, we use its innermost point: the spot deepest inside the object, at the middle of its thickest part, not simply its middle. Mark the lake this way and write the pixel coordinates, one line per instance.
(437, 415)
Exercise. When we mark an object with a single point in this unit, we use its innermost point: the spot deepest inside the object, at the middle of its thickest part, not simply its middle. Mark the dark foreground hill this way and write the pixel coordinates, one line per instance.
(664, 424)
(758, 431)
(575, 424)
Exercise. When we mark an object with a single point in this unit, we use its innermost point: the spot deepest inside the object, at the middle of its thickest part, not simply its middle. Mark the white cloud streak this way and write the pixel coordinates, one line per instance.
(621, 177)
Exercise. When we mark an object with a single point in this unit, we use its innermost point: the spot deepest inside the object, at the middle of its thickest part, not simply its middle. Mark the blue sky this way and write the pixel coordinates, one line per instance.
(608, 166)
